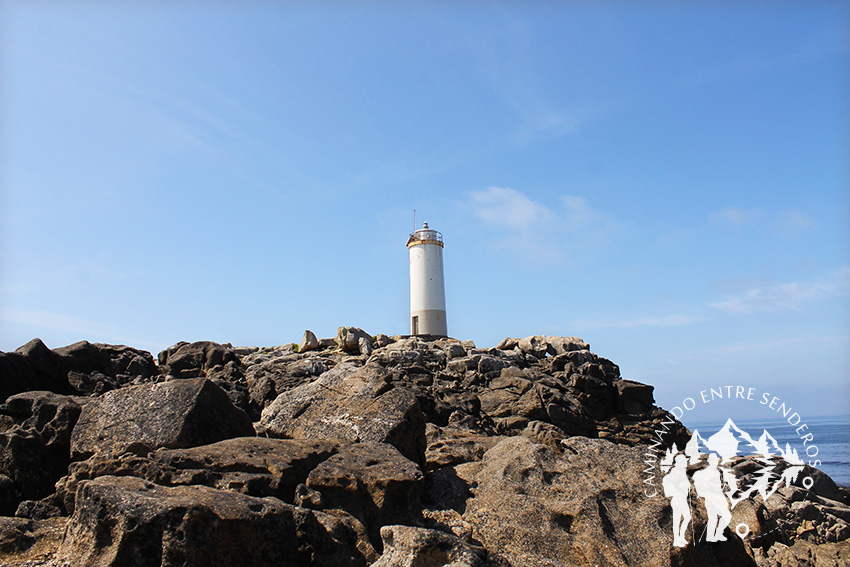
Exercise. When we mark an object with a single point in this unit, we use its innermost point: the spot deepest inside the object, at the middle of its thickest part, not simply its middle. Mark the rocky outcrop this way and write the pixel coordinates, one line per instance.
(177, 413)
(364, 450)
(790, 526)
(583, 505)
(80, 368)
(33, 367)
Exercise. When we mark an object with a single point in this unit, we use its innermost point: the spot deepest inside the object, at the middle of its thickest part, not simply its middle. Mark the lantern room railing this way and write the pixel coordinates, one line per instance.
(425, 235)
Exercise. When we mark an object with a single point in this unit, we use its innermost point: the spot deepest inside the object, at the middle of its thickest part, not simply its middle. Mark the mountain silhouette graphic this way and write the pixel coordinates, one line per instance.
(731, 441)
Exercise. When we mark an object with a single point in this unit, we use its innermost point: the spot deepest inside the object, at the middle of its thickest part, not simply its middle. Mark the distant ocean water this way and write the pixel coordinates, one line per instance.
(831, 436)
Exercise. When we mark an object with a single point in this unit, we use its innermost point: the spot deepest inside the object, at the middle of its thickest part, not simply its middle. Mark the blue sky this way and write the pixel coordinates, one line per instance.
(667, 180)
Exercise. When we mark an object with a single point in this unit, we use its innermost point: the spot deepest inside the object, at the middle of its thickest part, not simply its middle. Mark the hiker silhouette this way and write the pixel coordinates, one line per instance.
(676, 487)
(709, 485)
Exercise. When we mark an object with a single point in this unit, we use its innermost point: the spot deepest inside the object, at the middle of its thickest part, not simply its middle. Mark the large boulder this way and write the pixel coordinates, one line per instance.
(172, 414)
(513, 401)
(125, 521)
(350, 403)
(354, 340)
(561, 345)
(256, 466)
(309, 342)
(371, 481)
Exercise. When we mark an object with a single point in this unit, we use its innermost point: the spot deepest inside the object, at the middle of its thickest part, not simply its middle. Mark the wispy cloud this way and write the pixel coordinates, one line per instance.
(674, 320)
(786, 222)
(532, 230)
(776, 347)
(737, 216)
(792, 296)
(780, 343)
(508, 208)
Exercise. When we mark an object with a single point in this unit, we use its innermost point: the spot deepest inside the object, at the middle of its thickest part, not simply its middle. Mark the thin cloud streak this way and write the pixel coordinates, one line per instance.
(786, 342)
(663, 321)
(780, 346)
(793, 296)
(787, 222)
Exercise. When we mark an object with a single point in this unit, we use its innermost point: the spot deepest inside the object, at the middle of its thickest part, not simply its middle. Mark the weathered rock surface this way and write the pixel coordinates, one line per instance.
(451, 446)
(255, 466)
(270, 373)
(95, 368)
(28, 543)
(584, 506)
(128, 521)
(352, 404)
(53, 416)
(806, 554)
(371, 481)
(194, 360)
(177, 413)
(406, 546)
(35, 448)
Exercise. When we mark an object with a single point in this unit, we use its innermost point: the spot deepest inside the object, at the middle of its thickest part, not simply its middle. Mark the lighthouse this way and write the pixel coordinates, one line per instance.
(427, 291)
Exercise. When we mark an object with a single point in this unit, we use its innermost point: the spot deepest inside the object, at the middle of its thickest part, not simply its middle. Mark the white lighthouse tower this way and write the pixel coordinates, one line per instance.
(427, 291)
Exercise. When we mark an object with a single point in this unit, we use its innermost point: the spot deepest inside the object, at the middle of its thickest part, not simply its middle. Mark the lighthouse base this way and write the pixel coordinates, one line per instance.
(428, 322)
